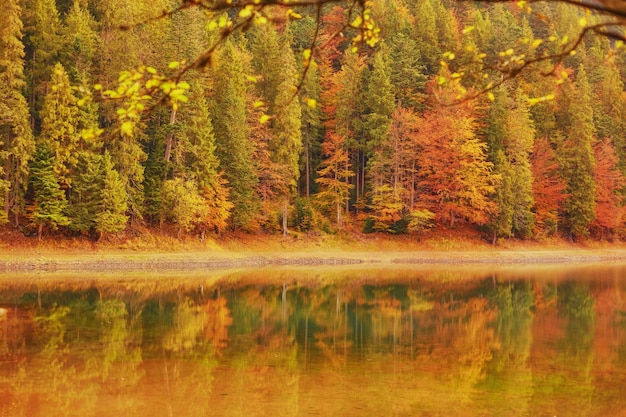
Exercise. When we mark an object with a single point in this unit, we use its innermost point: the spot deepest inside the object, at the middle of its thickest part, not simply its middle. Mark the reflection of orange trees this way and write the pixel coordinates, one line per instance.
(218, 320)
(463, 340)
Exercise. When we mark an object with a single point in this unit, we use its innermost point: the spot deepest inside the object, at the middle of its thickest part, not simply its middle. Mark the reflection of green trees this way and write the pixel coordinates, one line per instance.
(480, 347)
(509, 375)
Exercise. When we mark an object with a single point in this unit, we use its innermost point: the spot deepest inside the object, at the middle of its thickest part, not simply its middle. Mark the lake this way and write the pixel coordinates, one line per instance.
(345, 341)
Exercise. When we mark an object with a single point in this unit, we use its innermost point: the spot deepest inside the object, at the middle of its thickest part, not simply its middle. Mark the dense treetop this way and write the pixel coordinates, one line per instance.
(393, 116)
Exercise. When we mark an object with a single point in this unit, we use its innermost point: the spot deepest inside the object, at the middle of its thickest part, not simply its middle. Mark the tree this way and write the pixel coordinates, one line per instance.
(455, 176)
(234, 149)
(45, 42)
(377, 121)
(59, 125)
(85, 202)
(81, 44)
(578, 156)
(195, 158)
(511, 142)
(111, 217)
(610, 181)
(49, 199)
(548, 188)
(15, 133)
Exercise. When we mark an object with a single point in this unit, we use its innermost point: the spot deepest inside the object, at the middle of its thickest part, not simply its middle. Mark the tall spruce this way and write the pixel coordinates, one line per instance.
(111, 217)
(59, 125)
(17, 142)
(49, 201)
(233, 148)
(578, 158)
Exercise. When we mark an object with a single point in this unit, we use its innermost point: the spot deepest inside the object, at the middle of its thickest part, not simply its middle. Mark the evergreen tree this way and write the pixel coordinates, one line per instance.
(334, 172)
(49, 200)
(81, 44)
(85, 200)
(578, 158)
(45, 42)
(511, 137)
(233, 148)
(609, 182)
(407, 71)
(311, 129)
(381, 105)
(111, 217)
(286, 142)
(195, 159)
(16, 138)
(59, 125)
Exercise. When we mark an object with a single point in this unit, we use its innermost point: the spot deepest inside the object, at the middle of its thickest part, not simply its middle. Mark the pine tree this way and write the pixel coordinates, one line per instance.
(233, 148)
(86, 198)
(45, 42)
(311, 129)
(59, 125)
(195, 159)
(334, 172)
(286, 143)
(81, 44)
(407, 71)
(381, 104)
(49, 199)
(16, 138)
(511, 138)
(578, 157)
(111, 217)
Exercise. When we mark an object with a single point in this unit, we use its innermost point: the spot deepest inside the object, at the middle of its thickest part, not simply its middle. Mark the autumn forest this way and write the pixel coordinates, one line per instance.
(297, 122)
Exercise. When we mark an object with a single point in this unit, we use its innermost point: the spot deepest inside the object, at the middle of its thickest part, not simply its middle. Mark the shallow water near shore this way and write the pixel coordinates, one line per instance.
(417, 340)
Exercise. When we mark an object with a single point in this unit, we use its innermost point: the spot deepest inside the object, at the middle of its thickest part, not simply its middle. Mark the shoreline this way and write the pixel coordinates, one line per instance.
(159, 261)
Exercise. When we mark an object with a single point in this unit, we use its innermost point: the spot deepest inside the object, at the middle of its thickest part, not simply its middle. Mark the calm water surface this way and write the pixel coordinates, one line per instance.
(331, 342)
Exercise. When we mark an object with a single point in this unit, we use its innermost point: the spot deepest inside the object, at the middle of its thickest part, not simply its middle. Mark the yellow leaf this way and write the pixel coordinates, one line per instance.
(151, 70)
(251, 78)
(258, 104)
(173, 65)
(311, 102)
(441, 80)
(306, 54)
(536, 43)
(490, 96)
(246, 11)
(127, 128)
(264, 119)
(468, 29)
(582, 21)
(97, 87)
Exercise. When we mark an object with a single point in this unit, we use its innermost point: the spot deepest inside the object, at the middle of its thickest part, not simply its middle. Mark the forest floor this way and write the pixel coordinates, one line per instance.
(145, 250)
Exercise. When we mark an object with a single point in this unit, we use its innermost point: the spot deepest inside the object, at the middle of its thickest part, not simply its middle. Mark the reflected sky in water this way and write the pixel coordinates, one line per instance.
(333, 341)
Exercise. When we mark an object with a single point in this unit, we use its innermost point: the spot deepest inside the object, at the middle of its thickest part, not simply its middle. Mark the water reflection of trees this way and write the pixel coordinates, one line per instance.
(364, 346)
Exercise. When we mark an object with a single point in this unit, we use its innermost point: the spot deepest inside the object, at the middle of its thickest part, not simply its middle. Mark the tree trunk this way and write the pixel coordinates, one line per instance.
(40, 231)
(285, 229)
(170, 140)
(308, 169)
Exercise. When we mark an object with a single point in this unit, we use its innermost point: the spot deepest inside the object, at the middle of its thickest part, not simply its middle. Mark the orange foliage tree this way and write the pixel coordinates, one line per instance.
(609, 183)
(548, 187)
(455, 177)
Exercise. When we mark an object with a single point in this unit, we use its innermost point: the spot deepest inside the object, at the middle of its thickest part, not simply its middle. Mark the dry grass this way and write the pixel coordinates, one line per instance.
(144, 247)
